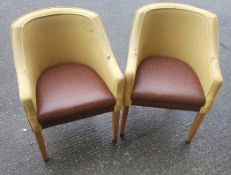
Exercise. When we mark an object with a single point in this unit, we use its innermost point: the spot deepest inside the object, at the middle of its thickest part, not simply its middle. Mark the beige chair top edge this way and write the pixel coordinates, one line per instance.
(156, 6)
(21, 21)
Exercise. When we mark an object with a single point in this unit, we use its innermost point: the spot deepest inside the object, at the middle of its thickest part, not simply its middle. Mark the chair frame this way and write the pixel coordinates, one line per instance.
(26, 99)
(132, 63)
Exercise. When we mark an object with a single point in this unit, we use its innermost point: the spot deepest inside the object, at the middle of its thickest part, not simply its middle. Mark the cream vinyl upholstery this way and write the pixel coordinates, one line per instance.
(179, 31)
(54, 36)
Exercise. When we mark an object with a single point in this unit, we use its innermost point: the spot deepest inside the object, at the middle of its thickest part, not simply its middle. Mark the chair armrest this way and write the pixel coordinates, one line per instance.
(216, 72)
(22, 78)
(133, 57)
(210, 98)
(115, 82)
(217, 82)
(130, 74)
(104, 62)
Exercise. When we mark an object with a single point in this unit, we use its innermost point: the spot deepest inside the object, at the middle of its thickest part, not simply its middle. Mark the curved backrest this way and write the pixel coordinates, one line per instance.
(178, 31)
(56, 39)
(54, 36)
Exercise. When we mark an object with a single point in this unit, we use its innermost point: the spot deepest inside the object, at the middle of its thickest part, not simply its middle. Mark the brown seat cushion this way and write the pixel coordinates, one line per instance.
(69, 92)
(167, 83)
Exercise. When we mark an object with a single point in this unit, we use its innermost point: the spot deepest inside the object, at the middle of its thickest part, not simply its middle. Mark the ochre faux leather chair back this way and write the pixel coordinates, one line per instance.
(179, 31)
(179, 34)
(56, 39)
(64, 35)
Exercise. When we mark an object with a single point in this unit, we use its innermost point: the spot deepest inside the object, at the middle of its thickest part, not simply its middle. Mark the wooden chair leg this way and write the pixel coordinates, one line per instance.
(115, 126)
(124, 120)
(42, 147)
(196, 124)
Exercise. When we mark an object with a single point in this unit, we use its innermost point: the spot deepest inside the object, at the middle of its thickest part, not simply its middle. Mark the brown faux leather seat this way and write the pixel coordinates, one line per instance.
(69, 92)
(167, 83)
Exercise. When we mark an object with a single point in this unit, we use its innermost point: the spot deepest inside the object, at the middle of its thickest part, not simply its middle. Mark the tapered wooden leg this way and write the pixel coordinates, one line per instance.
(124, 120)
(195, 126)
(115, 126)
(42, 147)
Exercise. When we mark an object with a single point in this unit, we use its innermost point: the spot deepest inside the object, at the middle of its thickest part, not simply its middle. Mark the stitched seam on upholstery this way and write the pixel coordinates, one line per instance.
(171, 8)
(27, 21)
(90, 33)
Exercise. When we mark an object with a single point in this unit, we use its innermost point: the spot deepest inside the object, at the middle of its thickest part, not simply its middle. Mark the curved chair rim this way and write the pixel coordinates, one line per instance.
(40, 13)
(177, 6)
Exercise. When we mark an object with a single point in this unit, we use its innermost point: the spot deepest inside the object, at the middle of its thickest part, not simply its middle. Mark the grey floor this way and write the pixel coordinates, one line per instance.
(155, 138)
